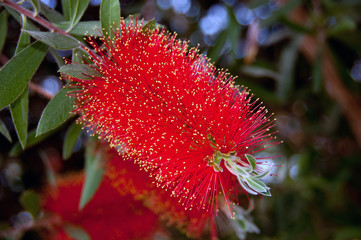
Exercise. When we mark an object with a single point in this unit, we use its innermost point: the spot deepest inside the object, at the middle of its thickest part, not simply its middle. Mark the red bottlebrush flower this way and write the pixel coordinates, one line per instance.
(176, 114)
(108, 215)
(127, 178)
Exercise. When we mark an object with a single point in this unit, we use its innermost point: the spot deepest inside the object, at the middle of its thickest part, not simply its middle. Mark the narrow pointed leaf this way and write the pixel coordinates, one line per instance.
(251, 160)
(77, 70)
(36, 5)
(267, 193)
(255, 185)
(51, 14)
(149, 25)
(30, 141)
(3, 28)
(24, 39)
(70, 140)
(56, 112)
(59, 60)
(286, 69)
(31, 202)
(49, 169)
(259, 182)
(317, 72)
(246, 187)
(93, 175)
(5, 131)
(89, 27)
(76, 56)
(66, 9)
(15, 75)
(19, 113)
(109, 16)
(76, 232)
(55, 40)
(20, 107)
(80, 56)
(76, 10)
(263, 174)
(17, 17)
(242, 172)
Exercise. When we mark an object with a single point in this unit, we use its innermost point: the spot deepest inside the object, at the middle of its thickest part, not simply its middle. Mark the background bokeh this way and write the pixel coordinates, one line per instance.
(301, 58)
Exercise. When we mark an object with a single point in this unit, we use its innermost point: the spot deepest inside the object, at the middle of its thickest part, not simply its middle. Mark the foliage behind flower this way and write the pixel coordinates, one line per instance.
(166, 106)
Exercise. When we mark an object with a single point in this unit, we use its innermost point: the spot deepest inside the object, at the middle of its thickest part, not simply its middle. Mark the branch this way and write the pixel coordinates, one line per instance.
(36, 88)
(37, 18)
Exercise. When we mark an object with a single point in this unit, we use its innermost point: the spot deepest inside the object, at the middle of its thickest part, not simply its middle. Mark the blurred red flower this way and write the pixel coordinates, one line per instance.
(181, 119)
(108, 215)
(126, 177)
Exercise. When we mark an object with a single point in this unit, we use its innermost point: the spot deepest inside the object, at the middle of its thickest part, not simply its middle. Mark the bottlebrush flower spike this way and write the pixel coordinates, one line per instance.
(179, 116)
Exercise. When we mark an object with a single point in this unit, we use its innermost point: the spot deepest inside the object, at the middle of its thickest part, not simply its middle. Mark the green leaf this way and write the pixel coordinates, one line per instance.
(77, 70)
(149, 25)
(259, 72)
(214, 52)
(70, 140)
(75, 58)
(263, 174)
(89, 27)
(317, 72)
(251, 160)
(246, 187)
(80, 56)
(19, 108)
(31, 202)
(55, 40)
(76, 232)
(59, 60)
(294, 26)
(93, 174)
(17, 17)
(49, 170)
(66, 9)
(255, 186)
(36, 5)
(3, 28)
(24, 39)
(286, 69)
(19, 112)
(242, 172)
(5, 131)
(56, 112)
(17, 72)
(343, 26)
(51, 14)
(30, 141)
(76, 11)
(109, 16)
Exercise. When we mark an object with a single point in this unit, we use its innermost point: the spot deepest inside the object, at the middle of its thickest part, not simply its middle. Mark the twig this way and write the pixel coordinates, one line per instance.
(38, 19)
(36, 88)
